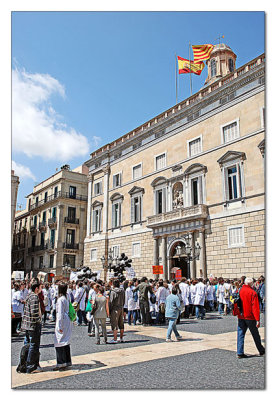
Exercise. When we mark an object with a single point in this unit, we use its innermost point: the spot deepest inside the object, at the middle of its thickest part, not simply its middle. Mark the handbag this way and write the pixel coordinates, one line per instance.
(72, 312)
(88, 306)
(76, 304)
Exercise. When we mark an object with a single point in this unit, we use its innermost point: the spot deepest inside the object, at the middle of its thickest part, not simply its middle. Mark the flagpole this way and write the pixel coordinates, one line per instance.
(175, 77)
(190, 66)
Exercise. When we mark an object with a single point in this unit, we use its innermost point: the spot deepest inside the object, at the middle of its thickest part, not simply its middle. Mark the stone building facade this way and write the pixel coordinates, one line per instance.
(50, 233)
(193, 174)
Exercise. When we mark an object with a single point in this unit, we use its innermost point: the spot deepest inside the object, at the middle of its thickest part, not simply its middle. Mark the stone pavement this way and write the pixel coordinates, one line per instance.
(205, 358)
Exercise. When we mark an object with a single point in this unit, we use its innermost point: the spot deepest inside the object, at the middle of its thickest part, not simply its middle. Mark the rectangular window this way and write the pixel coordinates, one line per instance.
(72, 192)
(136, 249)
(55, 192)
(42, 239)
(33, 241)
(41, 262)
(71, 214)
(232, 183)
(35, 220)
(137, 171)
(116, 215)
(54, 212)
(96, 220)
(116, 180)
(52, 238)
(93, 255)
(160, 201)
(230, 132)
(70, 236)
(45, 197)
(116, 251)
(137, 209)
(194, 192)
(195, 147)
(160, 161)
(69, 260)
(36, 200)
(236, 236)
(98, 188)
(44, 216)
(51, 261)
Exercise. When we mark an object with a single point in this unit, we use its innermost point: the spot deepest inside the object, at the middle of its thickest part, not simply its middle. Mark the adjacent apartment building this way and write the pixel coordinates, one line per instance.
(196, 169)
(50, 233)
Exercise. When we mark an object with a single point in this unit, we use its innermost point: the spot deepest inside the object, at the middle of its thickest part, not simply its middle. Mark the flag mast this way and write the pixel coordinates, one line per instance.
(175, 77)
(190, 66)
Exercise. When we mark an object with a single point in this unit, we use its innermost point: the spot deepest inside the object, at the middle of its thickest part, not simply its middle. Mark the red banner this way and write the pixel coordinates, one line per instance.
(157, 269)
(178, 274)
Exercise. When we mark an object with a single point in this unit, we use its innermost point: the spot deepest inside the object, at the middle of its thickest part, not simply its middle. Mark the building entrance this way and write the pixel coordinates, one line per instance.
(181, 263)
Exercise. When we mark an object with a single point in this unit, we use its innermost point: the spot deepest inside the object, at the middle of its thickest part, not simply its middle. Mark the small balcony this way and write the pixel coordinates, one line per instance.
(52, 223)
(34, 249)
(69, 220)
(42, 226)
(72, 246)
(200, 211)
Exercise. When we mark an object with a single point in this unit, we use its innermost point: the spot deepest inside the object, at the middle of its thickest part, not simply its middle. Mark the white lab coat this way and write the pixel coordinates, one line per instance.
(131, 304)
(185, 289)
(200, 294)
(46, 294)
(210, 293)
(63, 322)
(220, 293)
(80, 297)
(192, 294)
(228, 287)
(161, 294)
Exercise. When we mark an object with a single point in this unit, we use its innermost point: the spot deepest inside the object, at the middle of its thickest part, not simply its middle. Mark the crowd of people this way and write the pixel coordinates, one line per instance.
(139, 301)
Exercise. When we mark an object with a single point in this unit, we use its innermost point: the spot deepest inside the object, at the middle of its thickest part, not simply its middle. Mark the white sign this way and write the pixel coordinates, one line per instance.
(73, 276)
(130, 273)
(99, 274)
(18, 275)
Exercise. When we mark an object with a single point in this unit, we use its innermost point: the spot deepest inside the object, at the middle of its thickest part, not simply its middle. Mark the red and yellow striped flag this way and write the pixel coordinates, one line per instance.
(202, 52)
(184, 66)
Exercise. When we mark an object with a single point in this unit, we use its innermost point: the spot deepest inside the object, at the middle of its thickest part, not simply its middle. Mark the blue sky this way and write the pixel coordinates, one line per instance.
(82, 79)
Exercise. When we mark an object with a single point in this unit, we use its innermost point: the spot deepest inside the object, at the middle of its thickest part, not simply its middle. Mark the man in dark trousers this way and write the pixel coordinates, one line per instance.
(144, 290)
(31, 323)
(249, 317)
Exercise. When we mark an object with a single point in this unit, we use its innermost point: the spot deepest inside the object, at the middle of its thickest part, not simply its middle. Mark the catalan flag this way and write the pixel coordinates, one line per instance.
(202, 52)
(184, 66)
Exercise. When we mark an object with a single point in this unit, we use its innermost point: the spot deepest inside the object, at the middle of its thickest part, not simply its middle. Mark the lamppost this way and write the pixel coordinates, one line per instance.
(66, 270)
(189, 251)
(108, 261)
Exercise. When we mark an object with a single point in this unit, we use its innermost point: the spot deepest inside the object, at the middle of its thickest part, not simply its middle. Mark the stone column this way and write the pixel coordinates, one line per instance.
(193, 262)
(88, 224)
(202, 257)
(164, 257)
(156, 253)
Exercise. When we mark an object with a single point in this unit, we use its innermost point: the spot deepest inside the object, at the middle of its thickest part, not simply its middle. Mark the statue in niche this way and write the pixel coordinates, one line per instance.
(178, 200)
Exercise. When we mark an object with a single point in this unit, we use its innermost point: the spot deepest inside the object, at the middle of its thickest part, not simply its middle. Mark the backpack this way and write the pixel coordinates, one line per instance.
(153, 298)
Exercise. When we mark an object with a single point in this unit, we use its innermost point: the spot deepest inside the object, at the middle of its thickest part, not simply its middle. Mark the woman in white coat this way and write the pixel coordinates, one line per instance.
(132, 305)
(63, 330)
(220, 295)
(200, 295)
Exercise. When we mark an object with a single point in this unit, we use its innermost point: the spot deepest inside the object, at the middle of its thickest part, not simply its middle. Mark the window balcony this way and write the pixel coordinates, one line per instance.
(52, 223)
(53, 197)
(69, 220)
(200, 211)
(72, 246)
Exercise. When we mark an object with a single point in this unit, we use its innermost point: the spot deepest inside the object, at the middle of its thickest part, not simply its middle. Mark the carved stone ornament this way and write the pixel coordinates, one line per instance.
(178, 200)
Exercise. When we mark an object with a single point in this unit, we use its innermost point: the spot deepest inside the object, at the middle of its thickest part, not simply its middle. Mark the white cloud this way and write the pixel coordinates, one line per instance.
(22, 171)
(36, 130)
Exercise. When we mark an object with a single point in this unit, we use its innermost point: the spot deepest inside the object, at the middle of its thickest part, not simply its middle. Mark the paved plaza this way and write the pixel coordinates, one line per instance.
(204, 359)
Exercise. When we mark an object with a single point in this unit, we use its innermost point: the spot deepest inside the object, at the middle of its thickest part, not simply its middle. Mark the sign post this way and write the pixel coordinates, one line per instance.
(157, 269)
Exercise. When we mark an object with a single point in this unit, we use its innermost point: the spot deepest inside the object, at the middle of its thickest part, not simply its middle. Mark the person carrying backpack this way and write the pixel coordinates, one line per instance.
(144, 288)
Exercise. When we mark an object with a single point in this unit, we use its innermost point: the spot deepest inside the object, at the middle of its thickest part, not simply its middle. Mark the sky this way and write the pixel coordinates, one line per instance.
(82, 79)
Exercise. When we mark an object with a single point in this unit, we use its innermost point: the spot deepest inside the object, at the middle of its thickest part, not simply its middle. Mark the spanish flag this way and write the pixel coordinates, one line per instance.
(184, 66)
(202, 52)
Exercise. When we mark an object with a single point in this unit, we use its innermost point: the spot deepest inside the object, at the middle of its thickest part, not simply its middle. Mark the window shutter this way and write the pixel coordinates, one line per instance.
(100, 217)
(113, 215)
(114, 180)
(120, 215)
(132, 210)
(200, 193)
(164, 200)
(226, 186)
(240, 188)
(94, 221)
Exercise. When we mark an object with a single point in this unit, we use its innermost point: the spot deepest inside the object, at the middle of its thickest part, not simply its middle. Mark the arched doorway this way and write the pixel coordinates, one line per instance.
(178, 262)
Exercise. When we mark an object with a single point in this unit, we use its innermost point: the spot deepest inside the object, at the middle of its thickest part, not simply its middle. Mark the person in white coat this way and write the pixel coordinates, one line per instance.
(132, 305)
(47, 301)
(80, 297)
(63, 329)
(220, 295)
(185, 292)
(226, 296)
(161, 294)
(200, 295)
(210, 296)
(192, 293)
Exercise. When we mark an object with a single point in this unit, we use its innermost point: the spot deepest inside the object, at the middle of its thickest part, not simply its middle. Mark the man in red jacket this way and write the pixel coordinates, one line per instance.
(249, 318)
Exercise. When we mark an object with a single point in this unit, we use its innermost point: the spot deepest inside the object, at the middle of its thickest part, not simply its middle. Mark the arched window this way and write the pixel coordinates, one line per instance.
(231, 65)
(213, 67)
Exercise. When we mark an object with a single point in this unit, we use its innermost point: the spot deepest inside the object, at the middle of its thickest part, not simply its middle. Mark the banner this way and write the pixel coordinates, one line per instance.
(157, 269)
(178, 274)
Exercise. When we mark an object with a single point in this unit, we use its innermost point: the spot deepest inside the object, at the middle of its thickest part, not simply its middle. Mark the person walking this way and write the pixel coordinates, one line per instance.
(100, 315)
(161, 294)
(31, 324)
(172, 311)
(17, 307)
(63, 329)
(47, 302)
(132, 305)
(226, 296)
(144, 289)
(116, 309)
(220, 295)
(185, 292)
(80, 297)
(248, 318)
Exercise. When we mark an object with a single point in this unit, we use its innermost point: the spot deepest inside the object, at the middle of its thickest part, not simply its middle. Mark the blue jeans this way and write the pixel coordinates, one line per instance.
(81, 316)
(33, 337)
(133, 313)
(243, 324)
(220, 308)
(172, 327)
(200, 310)
(211, 305)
